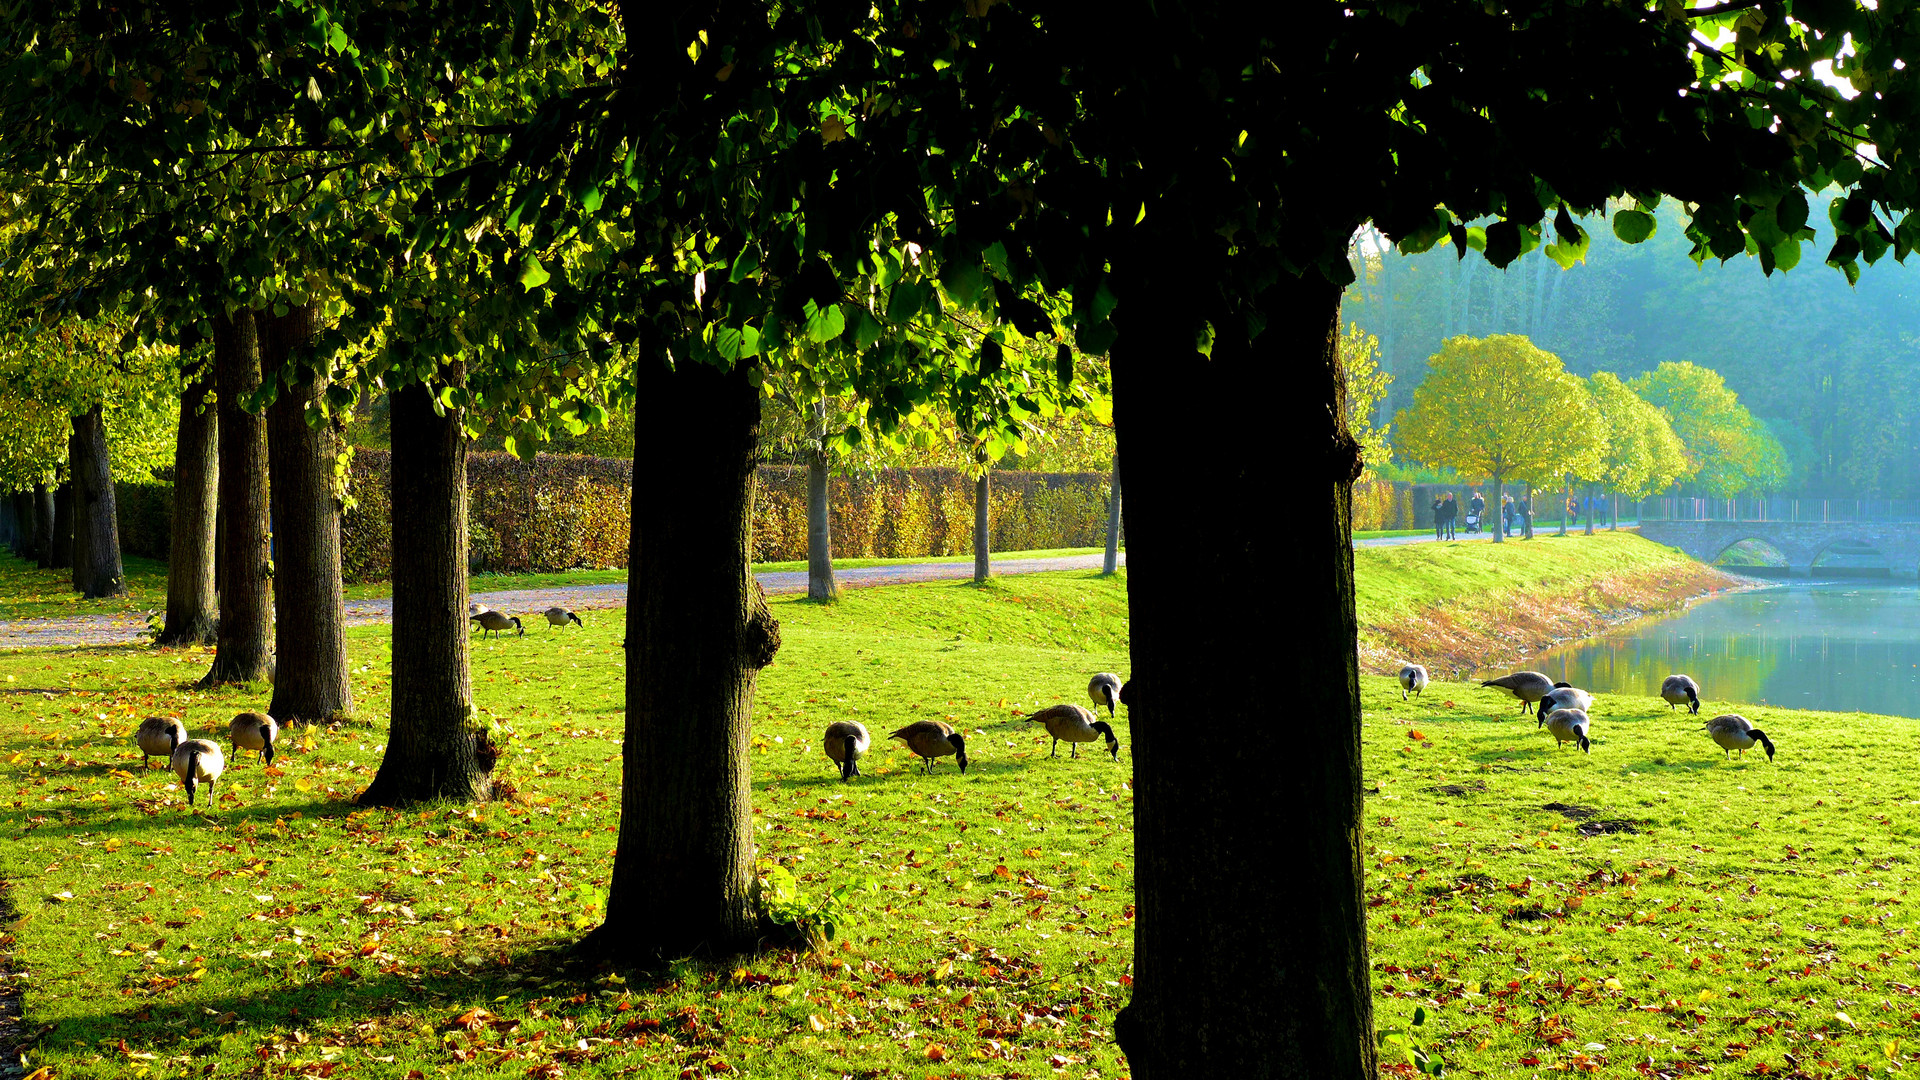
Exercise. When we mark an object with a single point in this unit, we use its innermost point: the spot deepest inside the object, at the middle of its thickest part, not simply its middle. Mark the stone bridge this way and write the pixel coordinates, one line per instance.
(1802, 542)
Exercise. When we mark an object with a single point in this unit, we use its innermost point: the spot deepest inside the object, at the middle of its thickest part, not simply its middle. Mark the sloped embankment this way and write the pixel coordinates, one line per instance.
(1463, 606)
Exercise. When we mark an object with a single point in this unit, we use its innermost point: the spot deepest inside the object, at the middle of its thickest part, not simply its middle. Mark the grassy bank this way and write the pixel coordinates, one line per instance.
(1465, 605)
(1652, 908)
(292, 933)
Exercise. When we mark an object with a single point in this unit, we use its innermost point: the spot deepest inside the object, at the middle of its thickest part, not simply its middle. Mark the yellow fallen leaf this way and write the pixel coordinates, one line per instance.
(783, 990)
(814, 1022)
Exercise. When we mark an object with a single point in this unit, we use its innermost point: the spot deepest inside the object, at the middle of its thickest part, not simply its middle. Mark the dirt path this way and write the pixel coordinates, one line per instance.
(87, 630)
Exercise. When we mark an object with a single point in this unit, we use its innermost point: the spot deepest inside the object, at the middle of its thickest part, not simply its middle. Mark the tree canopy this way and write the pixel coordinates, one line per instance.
(1728, 451)
(1502, 408)
(1642, 454)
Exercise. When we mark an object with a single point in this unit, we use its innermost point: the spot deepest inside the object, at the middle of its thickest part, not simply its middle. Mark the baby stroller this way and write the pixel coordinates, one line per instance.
(1473, 522)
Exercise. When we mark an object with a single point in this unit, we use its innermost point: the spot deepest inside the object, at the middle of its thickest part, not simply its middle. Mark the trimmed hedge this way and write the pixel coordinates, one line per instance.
(565, 512)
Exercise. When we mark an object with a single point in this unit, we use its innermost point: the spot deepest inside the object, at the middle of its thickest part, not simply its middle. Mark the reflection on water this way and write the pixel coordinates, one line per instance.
(1839, 646)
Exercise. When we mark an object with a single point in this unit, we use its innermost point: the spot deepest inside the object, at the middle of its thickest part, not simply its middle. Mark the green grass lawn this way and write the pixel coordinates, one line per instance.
(290, 933)
(1392, 583)
(1381, 534)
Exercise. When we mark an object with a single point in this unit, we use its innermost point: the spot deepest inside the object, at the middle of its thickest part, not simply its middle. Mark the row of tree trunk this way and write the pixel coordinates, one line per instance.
(46, 516)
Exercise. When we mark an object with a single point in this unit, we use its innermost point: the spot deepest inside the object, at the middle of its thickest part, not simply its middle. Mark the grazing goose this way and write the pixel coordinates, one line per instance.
(475, 607)
(1413, 678)
(1528, 686)
(1681, 690)
(1076, 725)
(196, 760)
(929, 739)
(559, 616)
(254, 731)
(1105, 690)
(1733, 732)
(157, 736)
(496, 622)
(845, 742)
(1569, 726)
(1564, 696)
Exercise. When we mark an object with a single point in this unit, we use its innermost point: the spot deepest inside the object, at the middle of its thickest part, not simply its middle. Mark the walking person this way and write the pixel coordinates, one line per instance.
(1476, 513)
(1439, 519)
(1524, 509)
(1506, 514)
(1453, 515)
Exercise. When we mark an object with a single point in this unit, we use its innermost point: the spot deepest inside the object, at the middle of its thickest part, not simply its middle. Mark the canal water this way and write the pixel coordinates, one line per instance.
(1841, 646)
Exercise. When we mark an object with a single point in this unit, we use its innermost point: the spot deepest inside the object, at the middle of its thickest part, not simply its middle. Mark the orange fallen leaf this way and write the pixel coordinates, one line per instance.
(1415, 734)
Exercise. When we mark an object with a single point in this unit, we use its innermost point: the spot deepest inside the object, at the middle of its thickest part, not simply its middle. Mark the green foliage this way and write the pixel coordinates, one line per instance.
(1729, 451)
(1406, 1041)
(818, 916)
(1643, 455)
(50, 374)
(1365, 387)
(1499, 406)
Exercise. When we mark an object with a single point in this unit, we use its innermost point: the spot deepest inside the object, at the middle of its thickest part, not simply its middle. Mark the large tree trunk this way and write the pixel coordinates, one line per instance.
(433, 749)
(1499, 505)
(246, 608)
(1112, 564)
(191, 598)
(23, 524)
(698, 633)
(95, 515)
(43, 526)
(1223, 986)
(820, 584)
(63, 526)
(982, 559)
(1566, 496)
(310, 640)
(77, 544)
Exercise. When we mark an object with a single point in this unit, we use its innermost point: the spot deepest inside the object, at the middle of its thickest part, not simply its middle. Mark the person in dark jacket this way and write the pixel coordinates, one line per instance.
(1453, 514)
(1506, 513)
(1524, 509)
(1476, 513)
(1439, 519)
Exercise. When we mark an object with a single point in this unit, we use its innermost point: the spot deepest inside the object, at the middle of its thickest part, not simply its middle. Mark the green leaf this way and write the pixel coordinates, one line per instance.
(532, 274)
(591, 199)
(905, 301)
(1791, 214)
(866, 329)
(962, 281)
(825, 324)
(744, 267)
(1632, 226)
(1063, 365)
(1503, 243)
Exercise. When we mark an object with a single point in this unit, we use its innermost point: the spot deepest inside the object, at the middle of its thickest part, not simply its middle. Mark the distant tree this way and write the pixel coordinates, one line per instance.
(1642, 453)
(1366, 387)
(1500, 407)
(1729, 451)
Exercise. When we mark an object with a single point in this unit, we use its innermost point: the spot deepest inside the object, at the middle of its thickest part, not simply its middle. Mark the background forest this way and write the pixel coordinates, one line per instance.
(1830, 369)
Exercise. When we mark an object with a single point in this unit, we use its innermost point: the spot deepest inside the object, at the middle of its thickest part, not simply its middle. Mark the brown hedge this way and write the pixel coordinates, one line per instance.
(564, 512)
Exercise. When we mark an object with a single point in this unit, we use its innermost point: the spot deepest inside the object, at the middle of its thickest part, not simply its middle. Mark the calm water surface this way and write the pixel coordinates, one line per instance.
(1843, 647)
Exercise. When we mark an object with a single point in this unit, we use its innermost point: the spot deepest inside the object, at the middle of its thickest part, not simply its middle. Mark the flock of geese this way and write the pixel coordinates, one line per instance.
(485, 619)
(1564, 709)
(847, 741)
(199, 761)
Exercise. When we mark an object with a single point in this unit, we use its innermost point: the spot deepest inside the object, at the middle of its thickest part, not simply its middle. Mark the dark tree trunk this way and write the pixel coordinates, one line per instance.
(43, 526)
(63, 526)
(1218, 990)
(23, 525)
(820, 584)
(1566, 496)
(246, 607)
(191, 598)
(1112, 564)
(95, 516)
(310, 641)
(433, 749)
(1593, 491)
(1499, 505)
(77, 548)
(982, 559)
(698, 633)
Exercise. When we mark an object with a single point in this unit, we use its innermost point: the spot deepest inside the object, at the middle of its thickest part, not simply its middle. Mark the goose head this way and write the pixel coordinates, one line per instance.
(1113, 743)
(1765, 743)
(959, 750)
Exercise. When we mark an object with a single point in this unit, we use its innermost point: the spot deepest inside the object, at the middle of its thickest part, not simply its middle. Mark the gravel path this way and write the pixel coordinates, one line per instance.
(88, 630)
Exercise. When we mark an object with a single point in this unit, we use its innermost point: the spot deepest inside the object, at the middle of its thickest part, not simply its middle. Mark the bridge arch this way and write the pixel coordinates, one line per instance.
(1766, 550)
(1854, 553)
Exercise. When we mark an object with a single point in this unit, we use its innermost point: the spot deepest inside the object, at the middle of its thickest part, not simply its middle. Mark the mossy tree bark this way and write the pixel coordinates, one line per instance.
(820, 583)
(310, 640)
(1112, 564)
(698, 633)
(43, 526)
(96, 527)
(191, 597)
(1217, 991)
(433, 750)
(63, 526)
(246, 606)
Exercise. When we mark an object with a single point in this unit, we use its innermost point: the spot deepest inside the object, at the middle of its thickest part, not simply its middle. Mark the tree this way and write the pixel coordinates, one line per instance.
(1642, 454)
(191, 595)
(1365, 388)
(1500, 407)
(1729, 451)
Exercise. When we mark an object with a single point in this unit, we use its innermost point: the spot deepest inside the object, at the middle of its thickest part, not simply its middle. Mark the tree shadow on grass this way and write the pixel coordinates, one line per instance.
(167, 815)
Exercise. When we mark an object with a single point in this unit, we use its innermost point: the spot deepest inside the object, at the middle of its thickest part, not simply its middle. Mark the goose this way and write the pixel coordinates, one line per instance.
(845, 742)
(1681, 690)
(559, 616)
(496, 622)
(475, 607)
(1733, 732)
(1564, 696)
(1105, 690)
(196, 760)
(157, 736)
(1570, 726)
(1075, 724)
(1413, 678)
(1528, 686)
(254, 731)
(929, 739)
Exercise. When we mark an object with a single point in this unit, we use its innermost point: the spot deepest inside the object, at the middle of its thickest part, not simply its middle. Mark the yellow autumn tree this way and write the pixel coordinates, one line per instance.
(1501, 407)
